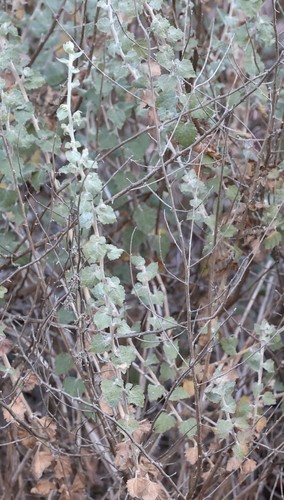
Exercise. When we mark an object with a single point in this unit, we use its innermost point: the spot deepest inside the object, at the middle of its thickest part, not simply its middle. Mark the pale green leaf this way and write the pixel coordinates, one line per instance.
(62, 112)
(3, 290)
(148, 273)
(184, 68)
(178, 394)
(162, 323)
(185, 134)
(73, 386)
(272, 240)
(164, 423)
(96, 248)
(167, 372)
(188, 427)
(137, 261)
(229, 345)
(100, 343)
(93, 184)
(63, 363)
(269, 398)
(105, 214)
(130, 425)
(136, 396)
(249, 7)
(113, 252)
(253, 359)
(123, 356)
(102, 319)
(223, 428)
(257, 389)
(155, 392)
(171, 349)
(268, 365)
(112, 391)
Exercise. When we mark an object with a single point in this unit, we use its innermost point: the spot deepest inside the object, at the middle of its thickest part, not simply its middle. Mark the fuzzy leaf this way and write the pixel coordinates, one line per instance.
(63, 363)
(178, 394)
(105, 214)
(164, 423)
(100, 343)
(269, 398)
(229, 345)
(188, 427)
(136, 396)
(223, 428)
(185, 134)
(184, 68)
(155, 392)
(112, 391)
(124, 356)
(73, 386)
(102, 319)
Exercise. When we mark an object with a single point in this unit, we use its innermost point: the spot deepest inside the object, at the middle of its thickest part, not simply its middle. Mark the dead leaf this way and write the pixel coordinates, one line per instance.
(124, 456)
(143, 428)
(260, 424)
(191, 455)
(188, 386)
(63, 468)
(27, 439)
(78, 485)
(18, 407)
(49, 426)
(30, 381)
(154, 492)
(144, 489)
(41, 461)
(234, 463)
(147, 468)
(108, 371)
(105, 407)
(155, 68)
(248, 466)
(136, 486)
(5, 345)
(43, 487)
(147, 99)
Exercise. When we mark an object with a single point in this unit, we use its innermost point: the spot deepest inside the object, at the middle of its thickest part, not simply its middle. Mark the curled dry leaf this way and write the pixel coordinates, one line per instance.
(233, 464)
(27, 439)
(260, 424)
(248, 466)
(188, 386)
(43, 487)
(191, 455)
(49, 426)
(143, 428)
(30, 381)
(145, 489)
(105, 407)
(147, 468)
(108, 371)
(153, 67)
(63, 467)
(18, 407)
(5, 345)
(124, 456)
(147, 99)
(79, 483)
(41, 461)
